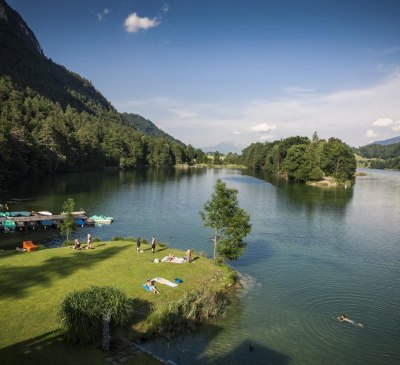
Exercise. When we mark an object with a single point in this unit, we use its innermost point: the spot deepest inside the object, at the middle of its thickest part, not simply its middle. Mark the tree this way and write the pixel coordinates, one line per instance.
(338, 160)
(229, 222)
(69, 224)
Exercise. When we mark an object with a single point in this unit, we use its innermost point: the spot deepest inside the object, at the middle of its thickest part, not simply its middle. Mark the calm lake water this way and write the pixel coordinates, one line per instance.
(313, 253)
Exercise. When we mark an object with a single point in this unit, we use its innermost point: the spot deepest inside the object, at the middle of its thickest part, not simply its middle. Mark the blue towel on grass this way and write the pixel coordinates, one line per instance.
(146, 287)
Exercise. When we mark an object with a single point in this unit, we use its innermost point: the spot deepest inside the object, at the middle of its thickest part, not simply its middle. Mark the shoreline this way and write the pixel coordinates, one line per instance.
(113, 263)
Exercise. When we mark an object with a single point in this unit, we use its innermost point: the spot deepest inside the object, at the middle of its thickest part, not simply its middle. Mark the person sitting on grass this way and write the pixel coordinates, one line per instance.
(89, 241)
(77, 244)
(152, 287)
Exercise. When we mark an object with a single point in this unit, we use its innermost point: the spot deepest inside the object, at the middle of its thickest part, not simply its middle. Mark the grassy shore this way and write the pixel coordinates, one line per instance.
(34, 284)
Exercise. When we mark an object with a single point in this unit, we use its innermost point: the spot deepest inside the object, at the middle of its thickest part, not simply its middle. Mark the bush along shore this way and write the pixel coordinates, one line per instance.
(38, 286)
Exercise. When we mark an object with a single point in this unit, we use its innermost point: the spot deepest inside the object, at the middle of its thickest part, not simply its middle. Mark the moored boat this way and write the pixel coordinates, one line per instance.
(9, 225)
(32, 225)
(20, 226)
(44, 212)
(101, 219)
(79, 222)
(47, 223)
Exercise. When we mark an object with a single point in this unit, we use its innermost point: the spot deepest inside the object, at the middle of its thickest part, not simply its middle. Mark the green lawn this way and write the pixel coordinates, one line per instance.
(34, 284)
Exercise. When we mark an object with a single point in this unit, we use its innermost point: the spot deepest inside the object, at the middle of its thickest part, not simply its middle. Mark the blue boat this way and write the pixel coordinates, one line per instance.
(25, 214)
(79, 222)
(47, 223)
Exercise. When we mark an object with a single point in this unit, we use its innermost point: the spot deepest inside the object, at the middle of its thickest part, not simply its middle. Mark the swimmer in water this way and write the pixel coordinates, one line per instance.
(345, 319)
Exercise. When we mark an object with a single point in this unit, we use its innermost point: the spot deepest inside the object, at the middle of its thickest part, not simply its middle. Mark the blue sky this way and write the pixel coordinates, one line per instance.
(243, 71)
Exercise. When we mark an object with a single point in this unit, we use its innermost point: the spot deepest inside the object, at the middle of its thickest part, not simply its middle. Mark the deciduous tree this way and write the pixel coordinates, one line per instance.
(229, 222)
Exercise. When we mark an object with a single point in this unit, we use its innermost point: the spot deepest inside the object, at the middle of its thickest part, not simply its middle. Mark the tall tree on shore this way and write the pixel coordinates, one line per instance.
(229, 222)
(68, 225)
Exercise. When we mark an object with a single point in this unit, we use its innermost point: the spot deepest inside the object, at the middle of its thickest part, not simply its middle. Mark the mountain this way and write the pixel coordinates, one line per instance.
(146, 126)
(388, 141)
(54, 120)
(23, 60)
(223, 147)
(380, 155)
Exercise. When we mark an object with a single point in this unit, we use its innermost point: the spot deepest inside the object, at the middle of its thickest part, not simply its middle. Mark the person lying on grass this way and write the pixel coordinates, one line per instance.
(152, 287)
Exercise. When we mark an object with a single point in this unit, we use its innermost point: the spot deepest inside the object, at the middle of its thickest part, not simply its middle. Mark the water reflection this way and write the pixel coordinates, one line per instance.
(311, 198)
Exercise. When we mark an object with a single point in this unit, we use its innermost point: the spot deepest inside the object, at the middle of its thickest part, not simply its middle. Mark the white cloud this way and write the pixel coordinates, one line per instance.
(384, 51)
(165, 8)
(382, 122)
(133, 23)
(371, 134)
(296, 90)
(343, 114)
(102, 14)
(182, 113)
(262, 128)
(396, 126)
(267, 137)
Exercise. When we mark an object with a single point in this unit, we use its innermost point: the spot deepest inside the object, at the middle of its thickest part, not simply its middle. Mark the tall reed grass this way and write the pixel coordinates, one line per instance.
(194, 307)
(82, 313)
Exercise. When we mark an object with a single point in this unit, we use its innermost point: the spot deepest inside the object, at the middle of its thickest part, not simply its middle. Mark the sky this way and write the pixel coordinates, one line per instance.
(239, 71)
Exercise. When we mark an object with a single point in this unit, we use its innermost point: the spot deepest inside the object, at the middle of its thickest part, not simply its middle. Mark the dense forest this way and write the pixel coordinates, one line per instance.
(302, 159)
(54, 120)
(38, 135)
(378, 156)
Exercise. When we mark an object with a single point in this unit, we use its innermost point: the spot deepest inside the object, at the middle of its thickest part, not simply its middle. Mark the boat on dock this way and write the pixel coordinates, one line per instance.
(47, 223)
(101, 219)
(9, 225)
(45, 212)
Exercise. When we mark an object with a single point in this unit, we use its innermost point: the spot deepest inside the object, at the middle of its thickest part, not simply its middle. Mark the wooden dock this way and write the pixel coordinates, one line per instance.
(40, 217)
(23, 222)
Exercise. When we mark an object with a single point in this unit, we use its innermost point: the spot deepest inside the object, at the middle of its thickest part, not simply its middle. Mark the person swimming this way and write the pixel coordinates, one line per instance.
(345, 319)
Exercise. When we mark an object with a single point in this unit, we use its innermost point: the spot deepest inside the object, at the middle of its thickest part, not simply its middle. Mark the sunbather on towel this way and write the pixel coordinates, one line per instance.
(152, 287)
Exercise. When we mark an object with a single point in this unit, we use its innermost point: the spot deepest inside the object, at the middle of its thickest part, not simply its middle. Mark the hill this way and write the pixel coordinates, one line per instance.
(146, 126)
(386, 142)
(54, 120)
(223, 147)
(380, 156)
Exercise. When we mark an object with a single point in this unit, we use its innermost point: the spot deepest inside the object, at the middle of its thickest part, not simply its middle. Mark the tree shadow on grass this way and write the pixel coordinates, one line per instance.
(50, 348)
(16, 280)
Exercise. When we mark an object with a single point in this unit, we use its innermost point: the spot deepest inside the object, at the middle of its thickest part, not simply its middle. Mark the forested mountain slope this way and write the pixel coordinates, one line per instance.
(53, 120)
(380, 156)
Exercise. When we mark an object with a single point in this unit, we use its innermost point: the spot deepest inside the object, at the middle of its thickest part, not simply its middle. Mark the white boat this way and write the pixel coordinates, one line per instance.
(45, 212)
(101, 219)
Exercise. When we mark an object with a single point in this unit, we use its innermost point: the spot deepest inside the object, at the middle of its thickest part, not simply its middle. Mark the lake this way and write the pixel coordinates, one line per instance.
(313, 254)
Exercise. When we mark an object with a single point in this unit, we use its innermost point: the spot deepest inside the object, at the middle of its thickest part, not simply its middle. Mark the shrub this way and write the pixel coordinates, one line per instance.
(68, 243)
(194, 307)
(97, 239)
(119, 238)
(82, 313)
(41, 247)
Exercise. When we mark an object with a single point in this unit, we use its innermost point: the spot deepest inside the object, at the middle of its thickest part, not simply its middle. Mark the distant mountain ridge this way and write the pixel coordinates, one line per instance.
(223, 147)
(386, 142)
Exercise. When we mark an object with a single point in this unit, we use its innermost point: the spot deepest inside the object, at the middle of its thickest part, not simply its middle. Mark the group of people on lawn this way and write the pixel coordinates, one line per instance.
(89, 243)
